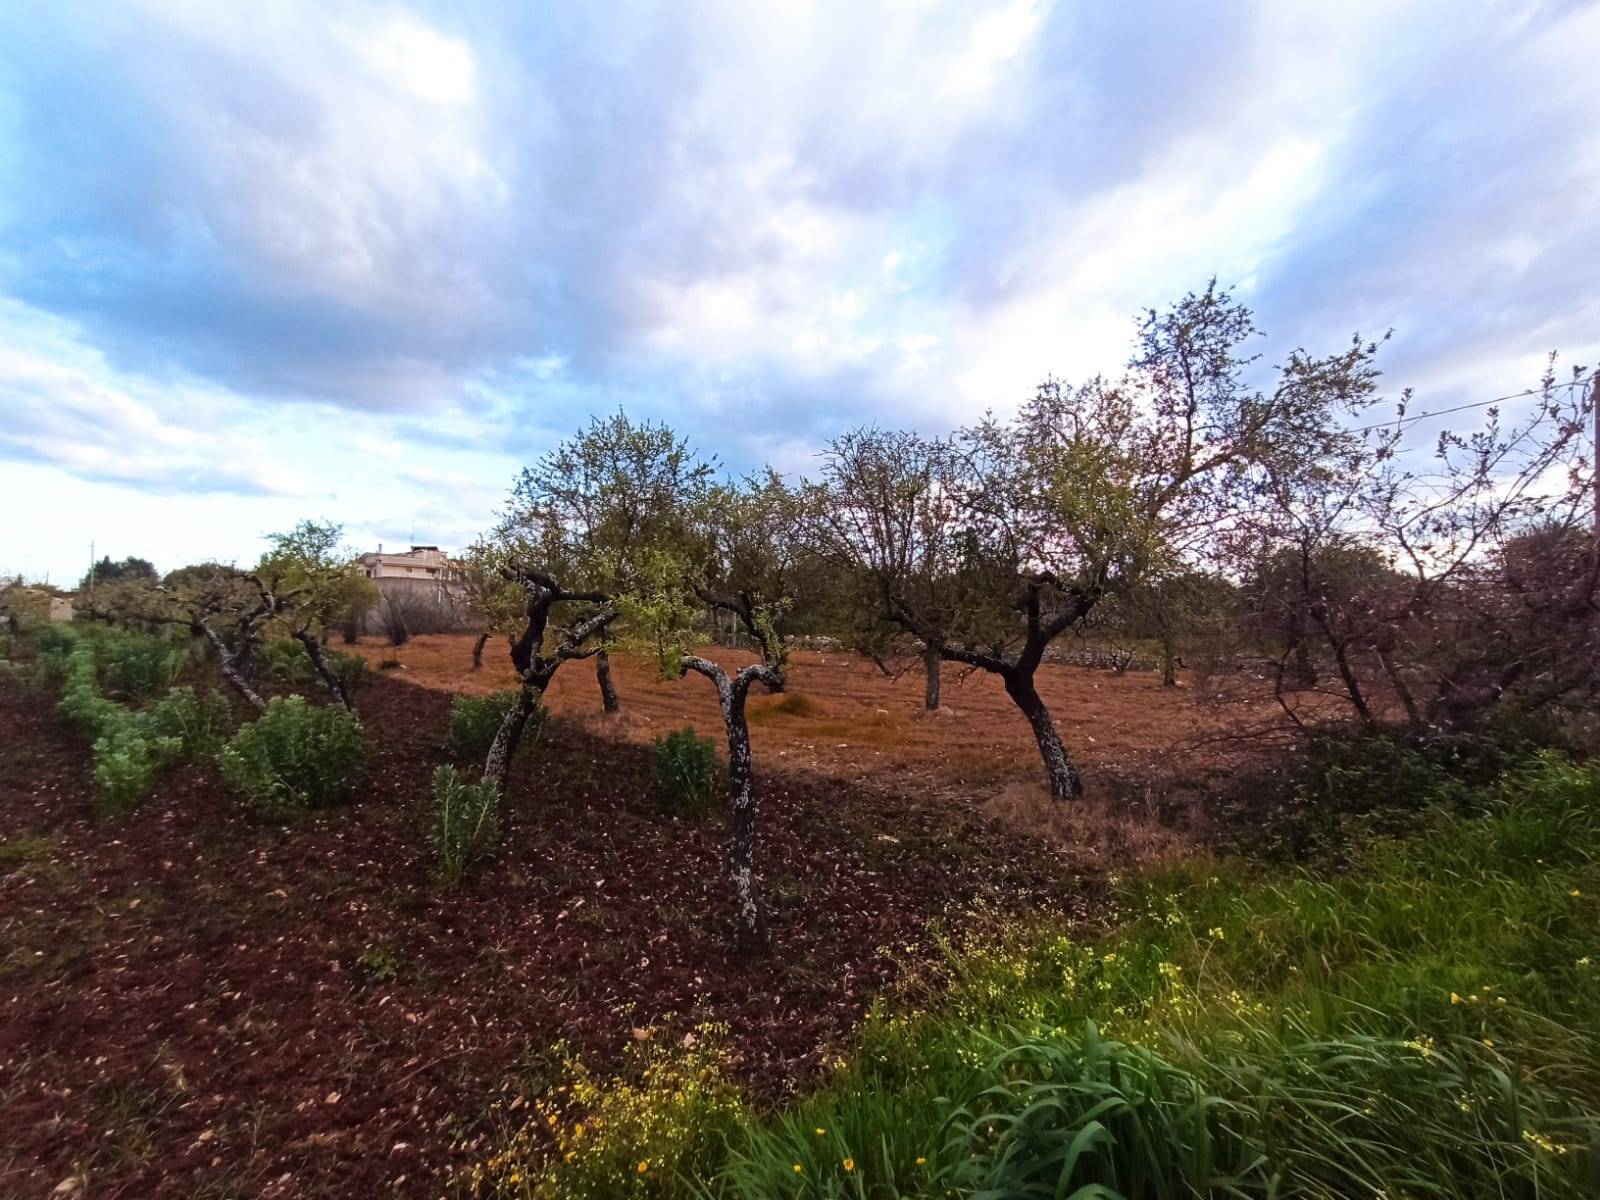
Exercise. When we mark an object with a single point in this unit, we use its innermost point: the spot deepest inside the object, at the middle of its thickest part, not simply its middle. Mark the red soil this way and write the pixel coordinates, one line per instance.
(842, 715)
(194, 1002)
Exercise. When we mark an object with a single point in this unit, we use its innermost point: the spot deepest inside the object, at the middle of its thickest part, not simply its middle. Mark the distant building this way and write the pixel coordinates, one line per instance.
(419, 590)
(419, 562)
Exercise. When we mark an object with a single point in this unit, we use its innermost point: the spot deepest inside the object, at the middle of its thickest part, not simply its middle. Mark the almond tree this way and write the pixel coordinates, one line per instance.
(1090, 491)
(312, 581)
(738, 560)
(579, 523)
(885, 518)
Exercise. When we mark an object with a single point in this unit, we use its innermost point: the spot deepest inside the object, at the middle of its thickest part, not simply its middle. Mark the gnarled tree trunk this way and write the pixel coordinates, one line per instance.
(1065, 782)
(932, 660)
(608, 690)
(330, 677)
(750, 921)
(232, 669)
(497, 765)
(477, 650)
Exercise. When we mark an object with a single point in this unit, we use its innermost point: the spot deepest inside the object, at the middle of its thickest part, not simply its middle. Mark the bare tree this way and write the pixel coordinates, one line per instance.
(895, 537)
(1443, 588)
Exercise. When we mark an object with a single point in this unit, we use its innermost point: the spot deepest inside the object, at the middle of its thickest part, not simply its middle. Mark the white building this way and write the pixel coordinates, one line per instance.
(419, 562)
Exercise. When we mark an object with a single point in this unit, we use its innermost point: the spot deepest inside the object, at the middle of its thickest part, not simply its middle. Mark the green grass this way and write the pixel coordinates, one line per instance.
(1422, 1023)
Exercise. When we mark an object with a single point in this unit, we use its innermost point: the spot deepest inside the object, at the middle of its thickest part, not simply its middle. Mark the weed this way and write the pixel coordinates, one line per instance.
(466, 823)
(381, 960)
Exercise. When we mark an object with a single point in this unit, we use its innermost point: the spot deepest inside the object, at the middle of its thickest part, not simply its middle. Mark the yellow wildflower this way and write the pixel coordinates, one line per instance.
(922, 1162)
(849, 1164)
(798, 1169)
(644, 1165)
(1454, 999)
(821, 1131)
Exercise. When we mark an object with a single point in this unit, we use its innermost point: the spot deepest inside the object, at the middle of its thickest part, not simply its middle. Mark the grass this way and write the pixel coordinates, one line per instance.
(1423, 1022)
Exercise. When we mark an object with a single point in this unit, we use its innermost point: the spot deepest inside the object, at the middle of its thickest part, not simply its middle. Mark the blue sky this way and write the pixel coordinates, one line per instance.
(362, 260)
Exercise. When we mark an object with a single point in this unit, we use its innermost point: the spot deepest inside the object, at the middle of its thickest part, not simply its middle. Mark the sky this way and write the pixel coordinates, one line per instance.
(361, 261)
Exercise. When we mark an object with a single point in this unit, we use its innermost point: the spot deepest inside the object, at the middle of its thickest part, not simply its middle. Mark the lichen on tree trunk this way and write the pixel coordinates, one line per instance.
(750, 923)
(1065, 781)
(497, 764)
(608, 689)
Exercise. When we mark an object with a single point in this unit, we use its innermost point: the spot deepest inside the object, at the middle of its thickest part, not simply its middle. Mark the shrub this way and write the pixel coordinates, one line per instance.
(684, 769)
(140, 665)
(127, 760)
(474, 720)
(296, 755)
(466, 823)
(350, 668)
(287, 660)
(52, 647)
(199, 721)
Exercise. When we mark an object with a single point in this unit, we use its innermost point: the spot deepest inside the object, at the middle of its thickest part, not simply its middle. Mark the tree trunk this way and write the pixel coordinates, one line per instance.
(608, 690)
(932, 662)
(477, 650)
(330, 677)
(1305, 671)
(497, 766)
(750, 922)
(231, 670)
(1065, 782)
(749, 919)
(1169, 661)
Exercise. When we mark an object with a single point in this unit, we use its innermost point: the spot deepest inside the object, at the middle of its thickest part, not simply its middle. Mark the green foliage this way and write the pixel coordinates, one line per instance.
(127, 758)
(474, 720)
(684, 770)
(131, 748)
(139, 665)
(350, 668)
(52, 645)
(200, 721)
(286, 659)
(296, 756)
(466, 823)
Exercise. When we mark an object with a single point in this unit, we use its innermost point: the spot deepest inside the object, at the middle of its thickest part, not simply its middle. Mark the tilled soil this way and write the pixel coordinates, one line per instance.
(843, 715)
(196, 1002)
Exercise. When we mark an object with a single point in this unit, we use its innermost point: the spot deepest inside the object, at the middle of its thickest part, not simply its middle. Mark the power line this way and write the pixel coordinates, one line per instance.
(1444, 412)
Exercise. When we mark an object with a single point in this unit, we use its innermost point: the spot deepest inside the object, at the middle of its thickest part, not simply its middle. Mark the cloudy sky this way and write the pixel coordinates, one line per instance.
(361, 260)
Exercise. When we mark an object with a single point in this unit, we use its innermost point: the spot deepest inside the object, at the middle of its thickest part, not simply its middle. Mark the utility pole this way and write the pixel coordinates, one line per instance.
(91, 572)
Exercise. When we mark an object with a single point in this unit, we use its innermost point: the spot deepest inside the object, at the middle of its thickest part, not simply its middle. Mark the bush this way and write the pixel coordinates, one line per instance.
(200, 721)
(350, 668)
(52, 647)
(287, 660)
(684, 769)
(140, 665)
(466, 823)
(474, 720)
(296, 755)
(127, 760)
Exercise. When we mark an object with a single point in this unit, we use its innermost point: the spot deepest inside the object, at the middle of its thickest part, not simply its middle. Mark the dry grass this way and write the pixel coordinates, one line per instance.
(1106, 829)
